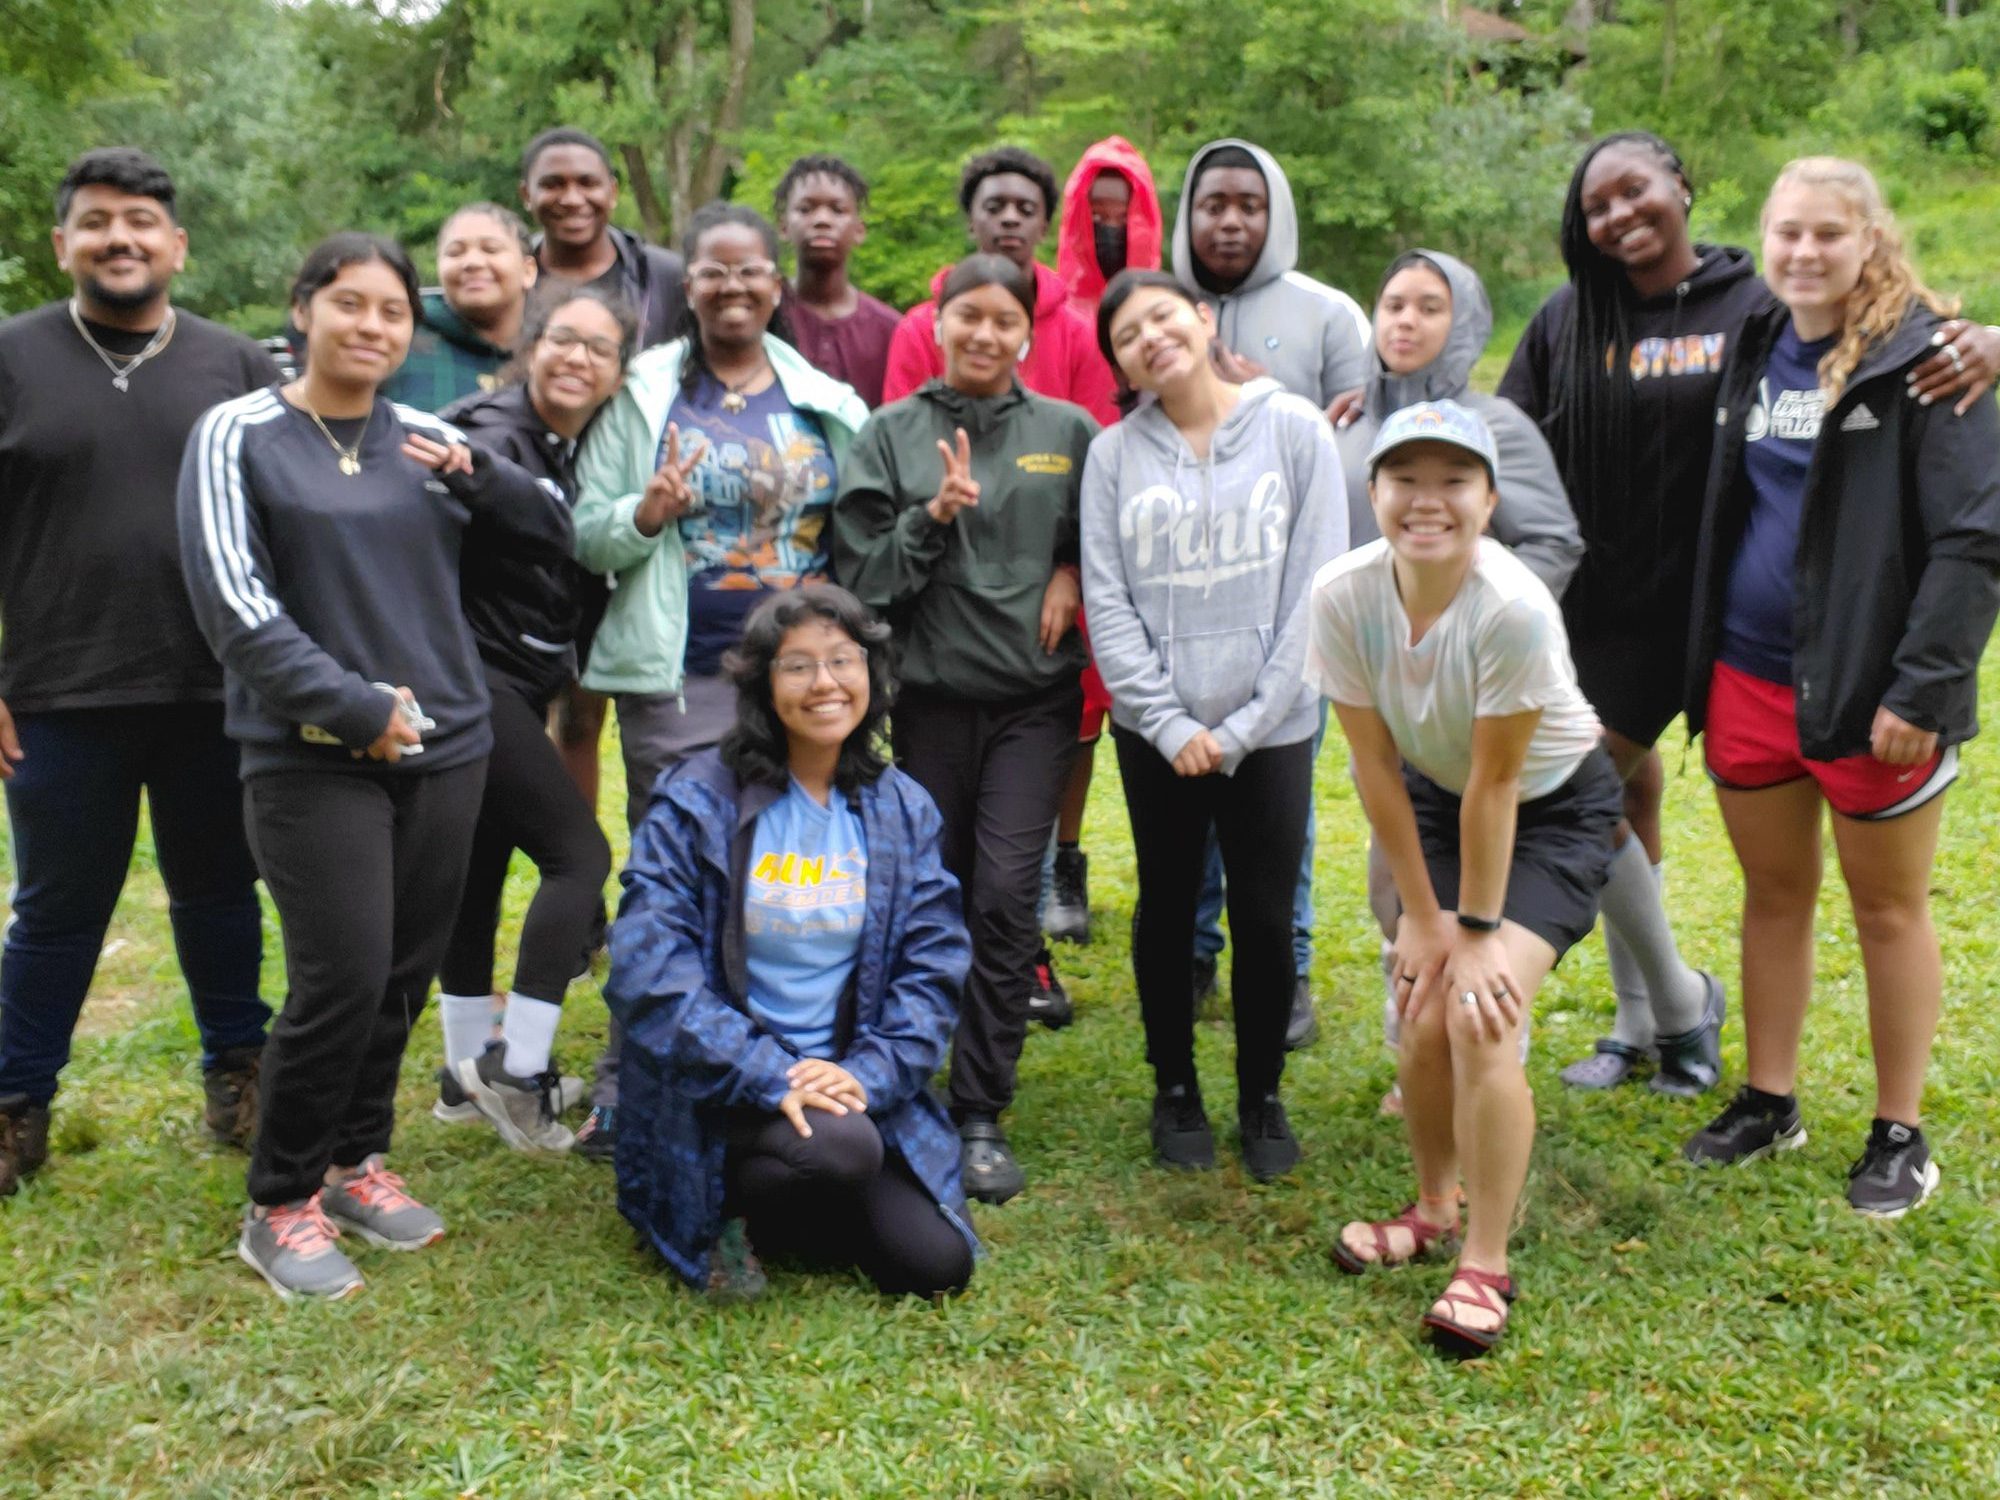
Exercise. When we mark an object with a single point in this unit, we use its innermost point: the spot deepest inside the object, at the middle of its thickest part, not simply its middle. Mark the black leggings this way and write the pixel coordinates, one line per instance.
(837, 1197)
(530, 805)
(1259, 817)
(365, 869)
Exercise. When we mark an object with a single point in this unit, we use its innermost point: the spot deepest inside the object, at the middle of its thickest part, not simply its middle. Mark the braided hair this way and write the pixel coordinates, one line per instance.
(687, 325)
(1589, 422)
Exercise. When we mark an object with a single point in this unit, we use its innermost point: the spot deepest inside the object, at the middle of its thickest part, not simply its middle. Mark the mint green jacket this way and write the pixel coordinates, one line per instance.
(641, 644)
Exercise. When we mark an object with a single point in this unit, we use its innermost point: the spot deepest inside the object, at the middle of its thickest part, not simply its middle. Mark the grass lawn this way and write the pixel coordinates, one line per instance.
(1131, 1334)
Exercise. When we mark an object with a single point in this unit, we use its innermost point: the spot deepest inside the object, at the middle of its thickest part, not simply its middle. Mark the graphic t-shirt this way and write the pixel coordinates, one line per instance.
(1779, 435)
(1498, 649)
(802, 915)
(762, 492)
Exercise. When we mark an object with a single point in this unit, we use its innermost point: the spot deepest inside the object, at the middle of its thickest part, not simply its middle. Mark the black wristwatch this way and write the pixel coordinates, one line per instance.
(1478, 924)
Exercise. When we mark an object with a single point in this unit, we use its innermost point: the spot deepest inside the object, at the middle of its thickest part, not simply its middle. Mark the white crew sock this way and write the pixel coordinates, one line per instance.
(1632, 907)
(468, 1023)
(529, 1031)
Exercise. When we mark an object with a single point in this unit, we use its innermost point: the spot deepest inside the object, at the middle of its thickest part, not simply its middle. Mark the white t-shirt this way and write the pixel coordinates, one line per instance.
(1499, 648)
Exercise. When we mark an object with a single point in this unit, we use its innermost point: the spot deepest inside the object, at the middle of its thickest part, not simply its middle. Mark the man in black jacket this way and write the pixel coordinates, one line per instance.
(569, 189)
(106, 685)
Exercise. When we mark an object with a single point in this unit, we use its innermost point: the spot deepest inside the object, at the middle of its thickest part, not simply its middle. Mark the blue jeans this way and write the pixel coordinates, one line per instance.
(1208, 906)
(73, 805)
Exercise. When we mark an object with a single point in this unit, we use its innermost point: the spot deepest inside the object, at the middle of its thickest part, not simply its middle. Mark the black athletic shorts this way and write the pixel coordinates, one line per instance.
(1634, 681)
(1562, 849)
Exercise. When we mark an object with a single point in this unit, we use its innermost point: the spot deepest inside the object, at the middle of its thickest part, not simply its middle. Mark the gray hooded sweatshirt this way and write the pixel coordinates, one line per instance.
(1533, 519)
(1309, 337)
(1196, 571)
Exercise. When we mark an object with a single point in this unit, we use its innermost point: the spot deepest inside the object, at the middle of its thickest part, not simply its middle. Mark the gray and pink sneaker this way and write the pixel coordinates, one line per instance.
(374, 1204)
(292, 1247)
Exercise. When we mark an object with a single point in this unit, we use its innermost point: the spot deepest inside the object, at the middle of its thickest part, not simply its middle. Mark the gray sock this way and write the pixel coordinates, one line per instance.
(1633, 910)
(1634, 1026)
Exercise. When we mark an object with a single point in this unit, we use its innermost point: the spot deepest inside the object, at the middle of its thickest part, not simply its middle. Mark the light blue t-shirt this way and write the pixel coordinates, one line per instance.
(802, 915)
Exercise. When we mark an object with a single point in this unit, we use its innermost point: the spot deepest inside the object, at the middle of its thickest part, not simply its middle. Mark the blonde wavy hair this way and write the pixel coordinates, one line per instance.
(1889, 281)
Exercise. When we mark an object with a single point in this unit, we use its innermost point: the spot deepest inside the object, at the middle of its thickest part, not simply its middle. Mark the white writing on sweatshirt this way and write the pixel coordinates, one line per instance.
(1191, 543)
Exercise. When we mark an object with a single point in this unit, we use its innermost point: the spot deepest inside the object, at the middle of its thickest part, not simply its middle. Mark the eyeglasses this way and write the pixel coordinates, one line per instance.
(710, 274)
(847, 664)
(603, 350)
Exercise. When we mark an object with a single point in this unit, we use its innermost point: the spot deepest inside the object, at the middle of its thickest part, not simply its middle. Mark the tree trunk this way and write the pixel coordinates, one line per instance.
(1850, 28)
(680, 77)
(707, 180)
(1670, 26)
(1950, 10)
(645, 193)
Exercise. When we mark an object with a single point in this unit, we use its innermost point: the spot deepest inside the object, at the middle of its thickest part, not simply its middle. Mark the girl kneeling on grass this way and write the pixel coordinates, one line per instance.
(1481, 772)
(1846, 583)
(787, 963)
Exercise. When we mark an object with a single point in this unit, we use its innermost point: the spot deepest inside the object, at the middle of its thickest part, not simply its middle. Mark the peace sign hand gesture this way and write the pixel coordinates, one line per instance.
(668, 495)
(959, 488)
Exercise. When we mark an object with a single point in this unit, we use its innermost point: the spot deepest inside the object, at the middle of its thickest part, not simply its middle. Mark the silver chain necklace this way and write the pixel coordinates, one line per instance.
(121, 374)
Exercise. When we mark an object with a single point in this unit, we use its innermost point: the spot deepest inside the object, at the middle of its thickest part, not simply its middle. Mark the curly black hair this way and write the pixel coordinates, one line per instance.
(1007, 159)
(819, 165)
(756, 748)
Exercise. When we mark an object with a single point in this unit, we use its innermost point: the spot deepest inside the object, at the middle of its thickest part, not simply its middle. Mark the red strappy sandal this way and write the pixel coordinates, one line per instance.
(1426, 1239)
(1491, 1291)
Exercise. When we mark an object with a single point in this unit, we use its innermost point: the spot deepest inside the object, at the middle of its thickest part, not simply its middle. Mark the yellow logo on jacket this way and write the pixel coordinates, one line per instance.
(1045, 463)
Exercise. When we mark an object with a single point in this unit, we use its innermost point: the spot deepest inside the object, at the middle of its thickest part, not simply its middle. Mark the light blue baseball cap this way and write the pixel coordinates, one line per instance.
(1437, 422)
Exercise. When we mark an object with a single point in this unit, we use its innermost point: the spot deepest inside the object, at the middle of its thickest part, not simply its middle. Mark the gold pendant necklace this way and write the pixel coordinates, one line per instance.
(350, 457)
(733, 400)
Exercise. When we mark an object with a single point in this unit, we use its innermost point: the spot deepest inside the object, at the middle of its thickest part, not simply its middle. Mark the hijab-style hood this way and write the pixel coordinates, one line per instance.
(1281, 243)
(1446, 377)
(1076, 245)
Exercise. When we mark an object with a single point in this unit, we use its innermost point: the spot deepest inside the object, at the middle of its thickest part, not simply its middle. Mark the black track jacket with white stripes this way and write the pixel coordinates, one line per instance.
(314, 586)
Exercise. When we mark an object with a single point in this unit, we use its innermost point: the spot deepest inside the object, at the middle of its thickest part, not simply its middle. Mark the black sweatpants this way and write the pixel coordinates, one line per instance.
(530, 804)
(997, 773)
(839, 1197)
(365, 870)
(1259, 817)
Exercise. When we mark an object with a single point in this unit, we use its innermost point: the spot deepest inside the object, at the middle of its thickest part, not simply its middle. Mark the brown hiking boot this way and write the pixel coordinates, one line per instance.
(24, 1140)
(230, 1095)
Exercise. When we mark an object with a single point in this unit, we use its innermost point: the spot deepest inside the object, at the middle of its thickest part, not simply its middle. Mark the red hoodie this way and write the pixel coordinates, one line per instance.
(1076, 247)
(1062, 360)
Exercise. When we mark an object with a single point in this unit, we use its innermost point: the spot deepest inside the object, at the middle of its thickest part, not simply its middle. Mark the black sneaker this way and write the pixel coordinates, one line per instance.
(1181, 1137)
(1269, 1147)
(991, 1173)
(229, 1095)
(1302, 1026)
(24, 1140)
(1754, 1125)
(1895, 1174)
(1207, 993)
(1049, 1002)
(1691, 1064)
(597, 1136)
(1068, 917)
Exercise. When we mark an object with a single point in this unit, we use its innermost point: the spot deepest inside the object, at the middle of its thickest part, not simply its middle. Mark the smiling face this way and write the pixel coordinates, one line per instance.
(819, 687)
(1230, 220)
(575, 366)
(732, 286)
(1160, 339)
(570, 192)
(1634, 207)
(822, 221)
(1412, 319)
(982, 331)
(1008, 217)
(1815, 244)
(121, 250)
(358, 325)
(483, 269)
(1432, 500)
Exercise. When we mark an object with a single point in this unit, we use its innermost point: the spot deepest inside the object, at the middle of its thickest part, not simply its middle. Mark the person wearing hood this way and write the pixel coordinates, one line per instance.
(1110, 222)
(1846, 582)
(467, 327)
(569, 188)
(1206, 514)
(1008, 197)
(1236, 248)
(957, 519)
(706, 483)
(1621, 368)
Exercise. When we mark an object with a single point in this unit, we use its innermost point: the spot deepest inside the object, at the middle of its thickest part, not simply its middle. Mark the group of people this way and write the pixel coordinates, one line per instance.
(862, 589)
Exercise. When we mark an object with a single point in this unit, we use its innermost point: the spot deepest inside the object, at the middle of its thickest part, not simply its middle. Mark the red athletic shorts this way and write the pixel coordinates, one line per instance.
(1096, 697)
(1751, 742)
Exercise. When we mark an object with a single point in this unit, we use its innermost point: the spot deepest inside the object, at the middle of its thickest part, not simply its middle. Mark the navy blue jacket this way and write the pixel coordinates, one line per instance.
(692, 1049)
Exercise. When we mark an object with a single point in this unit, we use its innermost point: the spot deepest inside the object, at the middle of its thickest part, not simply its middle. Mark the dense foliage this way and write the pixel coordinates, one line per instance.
(1401, 121)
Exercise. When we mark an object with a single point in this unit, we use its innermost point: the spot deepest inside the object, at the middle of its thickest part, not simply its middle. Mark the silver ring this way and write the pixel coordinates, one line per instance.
(1468, 998)
(1957, 359)
(1501, 992)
